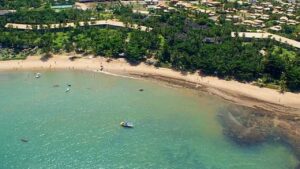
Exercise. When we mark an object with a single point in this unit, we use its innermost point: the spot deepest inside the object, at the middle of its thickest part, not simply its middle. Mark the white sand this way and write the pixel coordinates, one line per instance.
(244, 94)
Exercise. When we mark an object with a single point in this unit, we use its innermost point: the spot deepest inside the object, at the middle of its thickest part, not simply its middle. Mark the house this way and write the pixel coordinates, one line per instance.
(184, 5)
(151, 2)
(292, 22)
(141, 12)
(211, 14)
(263, 52)
(82, 6)
(258, 23)
(234, 18)
(213, 3)
(259, 7)
(290, 15)
(212, 40)
(58, 7)
(248, 22)
(251, 16)
(290, 10)
(292, 1)
(283, 19)
(255, 23)
(152, 7)
(162, 5)
(265, 17)
(276, 28)
(277, 7)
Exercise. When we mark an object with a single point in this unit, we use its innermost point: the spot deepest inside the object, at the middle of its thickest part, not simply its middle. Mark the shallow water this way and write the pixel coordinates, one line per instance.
(174, 128)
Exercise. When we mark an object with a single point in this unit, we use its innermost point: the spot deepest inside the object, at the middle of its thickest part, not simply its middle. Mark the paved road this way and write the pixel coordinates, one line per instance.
(114, 23)
(266, 35)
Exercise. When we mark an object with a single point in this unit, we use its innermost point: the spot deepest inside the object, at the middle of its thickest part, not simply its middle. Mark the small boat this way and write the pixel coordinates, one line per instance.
(37, 75)
(24, 140)
(68, 89)
(126, 124)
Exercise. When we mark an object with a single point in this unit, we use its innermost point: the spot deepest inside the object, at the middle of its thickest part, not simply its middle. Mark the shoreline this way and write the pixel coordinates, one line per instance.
(233, 91)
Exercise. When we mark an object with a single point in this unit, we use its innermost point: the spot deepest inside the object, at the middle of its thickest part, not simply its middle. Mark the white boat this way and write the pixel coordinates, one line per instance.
(126, 124)
(68, 89)
(37, 75)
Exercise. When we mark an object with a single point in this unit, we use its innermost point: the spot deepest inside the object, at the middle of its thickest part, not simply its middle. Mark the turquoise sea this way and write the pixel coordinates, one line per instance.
(174, 128)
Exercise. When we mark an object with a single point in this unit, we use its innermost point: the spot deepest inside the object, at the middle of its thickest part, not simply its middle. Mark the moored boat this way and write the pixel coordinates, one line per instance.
(37, 75)
(24, 140)
(126, 124)
(67, 90)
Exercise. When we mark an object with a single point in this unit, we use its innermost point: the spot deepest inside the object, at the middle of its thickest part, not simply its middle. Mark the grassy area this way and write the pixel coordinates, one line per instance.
(105, 16)
(162, 41)
(284, 53)
(59, 40)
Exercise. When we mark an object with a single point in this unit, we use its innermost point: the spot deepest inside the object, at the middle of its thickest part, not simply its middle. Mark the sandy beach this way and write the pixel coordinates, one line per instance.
(240, 93)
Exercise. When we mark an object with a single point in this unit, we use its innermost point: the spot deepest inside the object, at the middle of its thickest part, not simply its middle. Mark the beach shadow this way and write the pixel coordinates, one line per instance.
(297, 92)
(184, 73)
(73, 58)
(85, 54)
(134, 63)
(46, 57)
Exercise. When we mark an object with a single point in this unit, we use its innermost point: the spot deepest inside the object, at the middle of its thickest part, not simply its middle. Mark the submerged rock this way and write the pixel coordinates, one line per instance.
(241, 133)
(290, 134)
(251, 126)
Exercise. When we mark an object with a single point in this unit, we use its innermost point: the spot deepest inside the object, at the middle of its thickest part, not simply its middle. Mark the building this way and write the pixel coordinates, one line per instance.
(58, 7)
(214, 40)
(276, 28)
(292, 1)
(151, 2)
(252, 1)
(283, 19)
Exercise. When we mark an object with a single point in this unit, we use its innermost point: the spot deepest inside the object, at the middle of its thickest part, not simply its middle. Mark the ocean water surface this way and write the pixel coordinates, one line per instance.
(174, 128)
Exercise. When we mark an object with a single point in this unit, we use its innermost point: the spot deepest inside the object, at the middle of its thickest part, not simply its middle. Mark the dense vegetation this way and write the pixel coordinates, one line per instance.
(25, 4)
(48, 16)
(291, 31)
(181, 40)
(16, 4)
